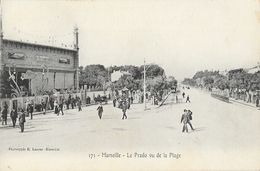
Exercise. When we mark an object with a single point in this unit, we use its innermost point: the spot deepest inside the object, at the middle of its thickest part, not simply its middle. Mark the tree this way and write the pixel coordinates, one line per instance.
(189, 81)
(172, 82)
(208, 81)
(153, 70)
(94, 75)
(221, 82)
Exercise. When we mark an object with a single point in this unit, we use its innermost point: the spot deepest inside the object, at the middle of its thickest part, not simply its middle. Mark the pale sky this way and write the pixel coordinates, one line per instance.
(183, 36)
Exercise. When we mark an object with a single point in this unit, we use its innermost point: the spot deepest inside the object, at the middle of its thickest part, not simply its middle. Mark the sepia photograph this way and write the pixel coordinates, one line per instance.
(134, 85)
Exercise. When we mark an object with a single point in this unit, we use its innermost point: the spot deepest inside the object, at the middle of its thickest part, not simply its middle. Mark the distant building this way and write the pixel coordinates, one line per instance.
(116, 75)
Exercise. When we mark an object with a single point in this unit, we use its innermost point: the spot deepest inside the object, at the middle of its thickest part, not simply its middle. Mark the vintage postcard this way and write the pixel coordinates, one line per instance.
(134, 85)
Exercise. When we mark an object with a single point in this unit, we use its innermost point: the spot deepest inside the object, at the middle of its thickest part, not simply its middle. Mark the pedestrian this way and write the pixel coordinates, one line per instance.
(132, 99)
(69, 102)
(61, 108)
(56, 107)
(190, 118)
(79, 104)
(114, 102)
(72, 102)
(124, 108)
(257, 102)
(128, 103)
(184, 120)
(31, 110)
(176, 99)
(188, 99)
(183, 95)
(52, 103)
(88, 100)
(4, 114)
(100, 110)
(22, 119)
(13, 116)
(43, 106)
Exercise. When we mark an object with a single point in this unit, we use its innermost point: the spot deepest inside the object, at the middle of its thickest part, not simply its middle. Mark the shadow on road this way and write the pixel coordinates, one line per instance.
(199, 129)
(7, 127)
(170, 127)
(134, 118)
(35, 130)
(119, 129)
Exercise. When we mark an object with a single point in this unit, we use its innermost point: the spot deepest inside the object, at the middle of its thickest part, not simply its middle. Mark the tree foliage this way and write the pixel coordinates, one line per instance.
(96, 75)
(237, 78)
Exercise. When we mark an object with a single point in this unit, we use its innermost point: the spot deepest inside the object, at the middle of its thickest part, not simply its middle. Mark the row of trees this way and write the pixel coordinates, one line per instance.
(233, 79)
(99, 76)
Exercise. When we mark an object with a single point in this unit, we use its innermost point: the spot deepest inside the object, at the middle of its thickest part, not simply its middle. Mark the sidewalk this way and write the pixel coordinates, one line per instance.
(243, 103)
(237, 101)
(38, 113)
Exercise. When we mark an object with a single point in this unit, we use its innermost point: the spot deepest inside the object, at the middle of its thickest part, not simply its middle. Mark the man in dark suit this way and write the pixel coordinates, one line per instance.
(13, 116)
(188, 99)
(184, 120)
(22, 120)
(61, 107)
(100, 110)
(31, 110)
(190, 118)
(4, 114)
(124, 108)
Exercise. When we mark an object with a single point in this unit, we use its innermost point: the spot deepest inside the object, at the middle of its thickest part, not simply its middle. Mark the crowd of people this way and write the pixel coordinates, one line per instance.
(57, 106)
(20, 114)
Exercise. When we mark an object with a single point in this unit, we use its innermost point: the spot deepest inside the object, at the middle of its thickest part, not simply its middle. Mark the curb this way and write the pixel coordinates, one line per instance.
(50, 111)
(243, 103)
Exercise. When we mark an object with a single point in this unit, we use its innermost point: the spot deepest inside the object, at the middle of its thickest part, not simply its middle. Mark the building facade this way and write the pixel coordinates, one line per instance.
(34, 68)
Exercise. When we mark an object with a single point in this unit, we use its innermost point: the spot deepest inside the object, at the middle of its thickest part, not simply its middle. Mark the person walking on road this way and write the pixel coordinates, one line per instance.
(61, 108)
(72, 102)
(188, 99)
(56, 107)
(124, 108)
(31, 111)
(184, 120)
(100, 110)
(183, 95)
(13, 116)
(22, 120)
(177, 99)
(190, 118)
(114, 102)
(43, 106)
(79, 104)
(4, 114)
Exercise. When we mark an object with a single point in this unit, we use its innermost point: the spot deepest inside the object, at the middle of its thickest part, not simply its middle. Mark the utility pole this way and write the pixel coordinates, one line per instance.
(76, 33)
(144, 86)
(1, 39)
(1, 49)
